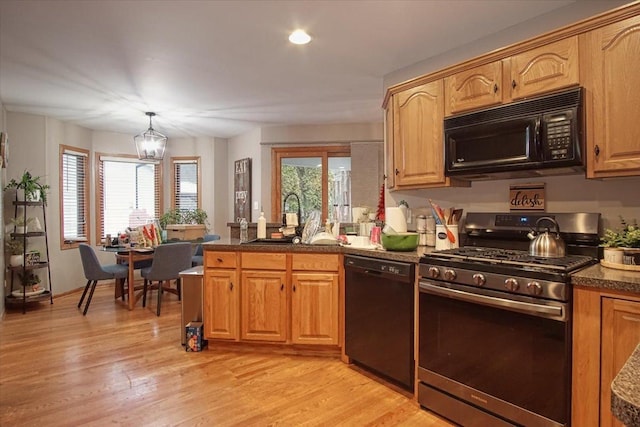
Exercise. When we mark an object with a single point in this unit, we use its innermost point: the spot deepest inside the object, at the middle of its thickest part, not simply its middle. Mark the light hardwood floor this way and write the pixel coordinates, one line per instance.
(128, 368)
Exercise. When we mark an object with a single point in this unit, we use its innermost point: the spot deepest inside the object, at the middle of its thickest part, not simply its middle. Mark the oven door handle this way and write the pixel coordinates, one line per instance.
(519, 306)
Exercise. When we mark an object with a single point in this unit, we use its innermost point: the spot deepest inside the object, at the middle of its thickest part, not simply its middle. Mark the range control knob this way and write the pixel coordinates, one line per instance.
(434, 272)
(479, 279)
(449, 274)
(511, 284)
(534, 288)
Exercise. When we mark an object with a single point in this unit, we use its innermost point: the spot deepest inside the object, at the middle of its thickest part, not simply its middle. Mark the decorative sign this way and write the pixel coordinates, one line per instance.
(527, 197)
(242, 189)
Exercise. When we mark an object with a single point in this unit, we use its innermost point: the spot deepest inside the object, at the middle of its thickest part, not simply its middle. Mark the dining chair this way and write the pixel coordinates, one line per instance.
(94, 271)
(169, 260)
(197, 258)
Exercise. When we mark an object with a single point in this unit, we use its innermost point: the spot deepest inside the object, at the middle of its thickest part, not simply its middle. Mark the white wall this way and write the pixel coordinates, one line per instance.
(611, 197)
(35, 142)
(266, 138)
(572, 193)
(241, 147)
(551, 21)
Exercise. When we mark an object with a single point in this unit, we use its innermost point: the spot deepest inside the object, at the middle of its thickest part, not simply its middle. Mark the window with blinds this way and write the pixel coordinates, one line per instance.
(74, 196)
(185, 183)
(129, 193)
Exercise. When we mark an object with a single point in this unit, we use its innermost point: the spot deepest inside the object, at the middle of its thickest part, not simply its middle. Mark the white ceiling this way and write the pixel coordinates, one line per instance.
(221, 68)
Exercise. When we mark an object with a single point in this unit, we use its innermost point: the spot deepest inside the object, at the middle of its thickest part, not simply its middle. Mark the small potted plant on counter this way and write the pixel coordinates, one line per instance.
(622, 246)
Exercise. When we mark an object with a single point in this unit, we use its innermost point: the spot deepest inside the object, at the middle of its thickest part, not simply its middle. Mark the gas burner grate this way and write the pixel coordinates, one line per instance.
(474, 255)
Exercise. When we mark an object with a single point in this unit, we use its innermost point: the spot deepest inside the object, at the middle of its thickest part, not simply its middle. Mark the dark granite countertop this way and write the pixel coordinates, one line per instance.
(232, 244)
(604, 278)
(625, 391)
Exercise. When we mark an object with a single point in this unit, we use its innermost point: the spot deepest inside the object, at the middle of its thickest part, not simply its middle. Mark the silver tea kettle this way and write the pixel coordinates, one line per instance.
(545, 244)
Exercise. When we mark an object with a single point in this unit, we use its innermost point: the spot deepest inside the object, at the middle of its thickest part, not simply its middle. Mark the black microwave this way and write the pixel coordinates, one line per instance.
(535, 137)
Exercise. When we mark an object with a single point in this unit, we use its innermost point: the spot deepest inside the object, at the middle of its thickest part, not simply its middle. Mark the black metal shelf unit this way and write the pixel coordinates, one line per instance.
(23, 295)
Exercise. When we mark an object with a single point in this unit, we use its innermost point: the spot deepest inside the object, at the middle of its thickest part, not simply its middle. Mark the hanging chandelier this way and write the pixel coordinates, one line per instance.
(150, 144)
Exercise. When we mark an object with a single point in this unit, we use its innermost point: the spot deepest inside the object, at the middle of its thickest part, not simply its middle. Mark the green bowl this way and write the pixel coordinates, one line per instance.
(400, 241)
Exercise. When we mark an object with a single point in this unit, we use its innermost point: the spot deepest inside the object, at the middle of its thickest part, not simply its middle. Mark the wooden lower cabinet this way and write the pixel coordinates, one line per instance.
(276, 297)
(314, 308)
(606, 330)
(264, 306)
(620, 336)
(221, 304)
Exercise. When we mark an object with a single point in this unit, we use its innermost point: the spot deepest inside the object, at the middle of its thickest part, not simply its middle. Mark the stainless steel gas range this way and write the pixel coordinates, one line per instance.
(495, 322)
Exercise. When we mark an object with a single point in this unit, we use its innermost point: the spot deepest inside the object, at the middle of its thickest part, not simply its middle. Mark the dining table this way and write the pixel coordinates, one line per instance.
(130, 255)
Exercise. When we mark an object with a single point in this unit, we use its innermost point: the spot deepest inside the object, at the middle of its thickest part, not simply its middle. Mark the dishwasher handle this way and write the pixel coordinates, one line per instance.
(377, 273)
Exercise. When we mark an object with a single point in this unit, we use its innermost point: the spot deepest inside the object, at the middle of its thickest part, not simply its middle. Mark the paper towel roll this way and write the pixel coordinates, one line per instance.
(395, 219)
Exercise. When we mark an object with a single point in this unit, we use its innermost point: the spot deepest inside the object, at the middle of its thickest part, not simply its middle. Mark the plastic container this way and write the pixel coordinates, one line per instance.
(262, 227)
(244, 230)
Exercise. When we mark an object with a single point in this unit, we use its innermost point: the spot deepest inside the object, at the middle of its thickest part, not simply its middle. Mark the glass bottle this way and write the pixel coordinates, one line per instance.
(244, 230)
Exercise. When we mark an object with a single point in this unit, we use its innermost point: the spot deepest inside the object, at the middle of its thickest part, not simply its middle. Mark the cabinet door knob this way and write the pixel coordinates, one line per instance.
(294, 288)
(495, 88)
(596, 150)
(282, 286)
(219, 260)
(397, 171)
(513, 84)
(230, 286)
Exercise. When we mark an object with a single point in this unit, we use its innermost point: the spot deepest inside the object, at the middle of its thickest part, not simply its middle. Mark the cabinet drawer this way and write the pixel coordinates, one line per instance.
(315, 262)
(219, 259)
(264, 261)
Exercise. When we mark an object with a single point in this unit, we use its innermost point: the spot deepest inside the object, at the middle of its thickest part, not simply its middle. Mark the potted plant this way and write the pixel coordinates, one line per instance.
(15, 248)
(622, 246)
(30, 280)
(33, 189)
(184, 224)
(21, 226)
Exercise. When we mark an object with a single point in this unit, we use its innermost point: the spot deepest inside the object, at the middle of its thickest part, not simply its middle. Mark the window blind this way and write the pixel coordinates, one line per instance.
(129, 193)
(186, 186)
(74, 194)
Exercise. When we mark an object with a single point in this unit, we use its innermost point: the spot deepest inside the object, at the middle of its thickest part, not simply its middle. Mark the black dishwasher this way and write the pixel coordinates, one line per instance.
(379, 320)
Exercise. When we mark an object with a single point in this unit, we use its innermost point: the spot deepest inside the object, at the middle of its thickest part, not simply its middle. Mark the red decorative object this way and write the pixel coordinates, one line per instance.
(380, 212)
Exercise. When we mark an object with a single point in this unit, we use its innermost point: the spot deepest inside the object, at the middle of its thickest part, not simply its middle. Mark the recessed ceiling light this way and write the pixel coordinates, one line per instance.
(299, 37)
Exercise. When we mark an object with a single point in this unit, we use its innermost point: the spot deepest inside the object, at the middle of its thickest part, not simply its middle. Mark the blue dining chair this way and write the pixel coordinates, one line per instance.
(197, 258)
(94, 271)
(169, 260)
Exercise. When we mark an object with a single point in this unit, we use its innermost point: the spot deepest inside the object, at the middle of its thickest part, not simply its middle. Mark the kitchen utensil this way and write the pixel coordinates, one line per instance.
(546, 245)
(437, 211)
(400, 242)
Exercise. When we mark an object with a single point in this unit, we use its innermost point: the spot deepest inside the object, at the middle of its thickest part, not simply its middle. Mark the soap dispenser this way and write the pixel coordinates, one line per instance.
(262, 227)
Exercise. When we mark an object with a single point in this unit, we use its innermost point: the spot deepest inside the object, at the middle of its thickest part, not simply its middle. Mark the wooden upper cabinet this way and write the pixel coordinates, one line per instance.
(388, 146)
(478, 87)
(611, 77)
(418, 155)
(545, 69)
